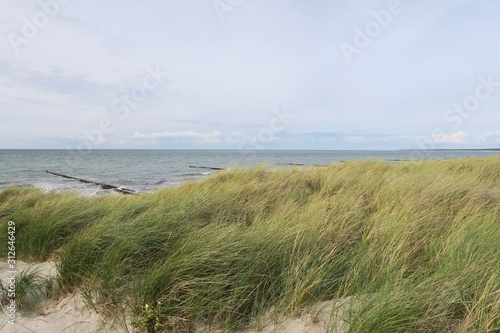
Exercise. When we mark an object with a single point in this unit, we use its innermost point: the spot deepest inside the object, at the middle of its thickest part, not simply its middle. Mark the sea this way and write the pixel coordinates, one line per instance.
(148, 170)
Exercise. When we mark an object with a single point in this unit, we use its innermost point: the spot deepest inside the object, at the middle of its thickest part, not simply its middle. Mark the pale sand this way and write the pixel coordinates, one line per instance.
(316, 320)
(71, 315)
(67, 315)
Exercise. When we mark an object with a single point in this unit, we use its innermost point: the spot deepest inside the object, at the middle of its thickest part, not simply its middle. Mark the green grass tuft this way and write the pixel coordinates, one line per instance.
(415, 244)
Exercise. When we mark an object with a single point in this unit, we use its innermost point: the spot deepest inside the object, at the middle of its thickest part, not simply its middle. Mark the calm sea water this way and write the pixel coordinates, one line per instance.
(146, 170)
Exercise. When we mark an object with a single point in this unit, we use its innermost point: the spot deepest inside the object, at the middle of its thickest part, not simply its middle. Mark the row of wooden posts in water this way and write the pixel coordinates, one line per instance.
(124, 190)
(119, 189)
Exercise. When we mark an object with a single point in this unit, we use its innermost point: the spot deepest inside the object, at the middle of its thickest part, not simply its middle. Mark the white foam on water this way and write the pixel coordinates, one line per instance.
(75, 187)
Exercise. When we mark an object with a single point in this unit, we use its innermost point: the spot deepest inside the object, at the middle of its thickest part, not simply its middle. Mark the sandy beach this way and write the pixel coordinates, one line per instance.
(67, 314)
(264, 250)
(70, 314)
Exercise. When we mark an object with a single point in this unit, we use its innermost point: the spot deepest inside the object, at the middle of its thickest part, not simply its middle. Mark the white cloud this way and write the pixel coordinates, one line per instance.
(460, 138)
(495, 136)
(226, 77)
(212, 137)
(360, 138)
(354, 139)
(457, 137)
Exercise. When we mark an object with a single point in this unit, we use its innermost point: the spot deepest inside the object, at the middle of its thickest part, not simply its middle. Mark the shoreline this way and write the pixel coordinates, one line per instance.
(397, 239)
(94, 191)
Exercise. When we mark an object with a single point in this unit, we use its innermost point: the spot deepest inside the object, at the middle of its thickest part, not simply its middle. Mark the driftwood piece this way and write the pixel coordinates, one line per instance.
(104, 186)
(204, 167)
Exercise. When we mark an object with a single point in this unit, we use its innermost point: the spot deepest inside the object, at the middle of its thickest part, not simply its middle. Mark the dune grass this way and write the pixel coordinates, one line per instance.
(416, 244)
(32, 290)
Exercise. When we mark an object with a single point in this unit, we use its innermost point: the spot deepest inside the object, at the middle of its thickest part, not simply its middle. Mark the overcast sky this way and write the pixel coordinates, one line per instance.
(264, 74)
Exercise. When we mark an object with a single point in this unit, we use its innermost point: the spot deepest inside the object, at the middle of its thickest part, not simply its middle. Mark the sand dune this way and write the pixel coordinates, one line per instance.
(70, 314)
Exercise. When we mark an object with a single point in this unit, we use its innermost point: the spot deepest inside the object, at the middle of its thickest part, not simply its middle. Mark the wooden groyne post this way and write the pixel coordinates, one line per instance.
(104, 186)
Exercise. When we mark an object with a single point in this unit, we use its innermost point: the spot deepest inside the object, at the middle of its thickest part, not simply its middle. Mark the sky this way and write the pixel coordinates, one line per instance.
(241, 74)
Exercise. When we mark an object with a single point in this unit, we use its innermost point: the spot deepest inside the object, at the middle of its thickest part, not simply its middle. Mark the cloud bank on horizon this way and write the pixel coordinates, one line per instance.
(240, 74)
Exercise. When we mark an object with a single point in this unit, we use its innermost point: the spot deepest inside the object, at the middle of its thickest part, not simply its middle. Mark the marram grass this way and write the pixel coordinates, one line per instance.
(415, 244)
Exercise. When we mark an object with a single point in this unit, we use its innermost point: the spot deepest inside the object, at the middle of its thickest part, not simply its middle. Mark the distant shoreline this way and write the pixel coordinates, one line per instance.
(256, 150)
(458, 149)
(147, 170)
